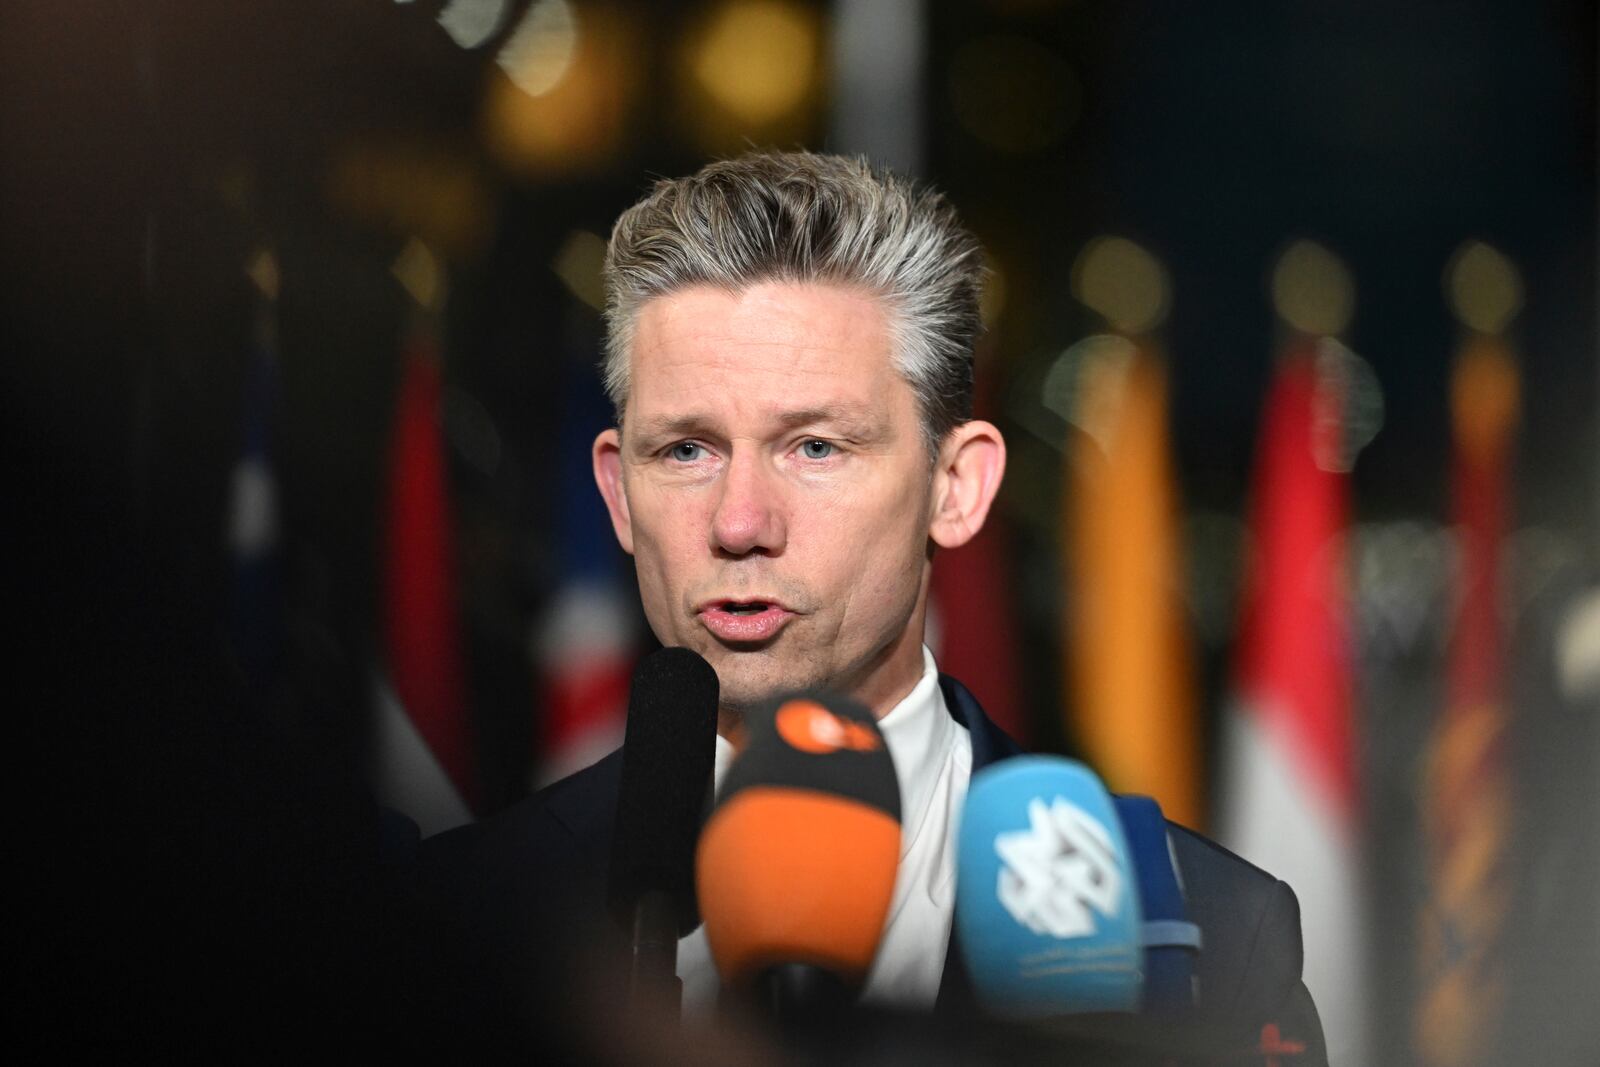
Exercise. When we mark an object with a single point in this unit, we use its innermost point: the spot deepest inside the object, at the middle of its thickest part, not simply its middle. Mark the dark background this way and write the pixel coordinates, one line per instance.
(147, 149)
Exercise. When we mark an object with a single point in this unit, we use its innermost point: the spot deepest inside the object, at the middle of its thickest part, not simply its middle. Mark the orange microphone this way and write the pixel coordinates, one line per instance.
(796, 867)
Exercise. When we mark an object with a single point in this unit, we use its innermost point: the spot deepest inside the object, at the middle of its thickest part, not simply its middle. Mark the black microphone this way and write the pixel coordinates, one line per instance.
(667, 758)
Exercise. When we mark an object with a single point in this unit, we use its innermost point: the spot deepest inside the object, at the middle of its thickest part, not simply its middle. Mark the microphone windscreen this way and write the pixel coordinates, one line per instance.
(667, 758)
(1047, 904)
(797, 863)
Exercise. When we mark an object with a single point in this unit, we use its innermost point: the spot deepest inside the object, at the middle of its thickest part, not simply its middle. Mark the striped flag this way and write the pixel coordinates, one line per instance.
(585, 643)
(1289, 798)
(425, 763)
(1466, 792)
(1131, 692)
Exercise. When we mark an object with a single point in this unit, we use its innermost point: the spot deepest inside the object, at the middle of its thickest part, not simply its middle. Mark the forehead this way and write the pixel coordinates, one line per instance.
(777, 344)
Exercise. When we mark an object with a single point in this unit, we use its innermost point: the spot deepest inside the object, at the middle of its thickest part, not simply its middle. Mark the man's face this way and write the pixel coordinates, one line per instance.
(772, 483)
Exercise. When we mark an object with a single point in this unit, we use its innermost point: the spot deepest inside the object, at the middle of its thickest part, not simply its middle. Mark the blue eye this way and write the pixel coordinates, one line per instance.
(685, 451)
(815, 449)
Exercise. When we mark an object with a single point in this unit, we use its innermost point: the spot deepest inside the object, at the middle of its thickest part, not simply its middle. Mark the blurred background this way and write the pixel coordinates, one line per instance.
(1290, 327)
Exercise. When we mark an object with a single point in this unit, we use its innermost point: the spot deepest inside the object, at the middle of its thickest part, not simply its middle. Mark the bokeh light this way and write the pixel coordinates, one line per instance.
(1483, 287)
(751, 70)
(757, 59)
(1350, 406)
(540, 50)
(1103, 359)
(562, 100)
(1312, 290)
(1122, 282)
(472, 23)
(263, 271)
(420, 273)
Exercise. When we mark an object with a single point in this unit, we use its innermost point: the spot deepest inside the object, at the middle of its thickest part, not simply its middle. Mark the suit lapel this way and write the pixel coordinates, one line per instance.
(990, 745)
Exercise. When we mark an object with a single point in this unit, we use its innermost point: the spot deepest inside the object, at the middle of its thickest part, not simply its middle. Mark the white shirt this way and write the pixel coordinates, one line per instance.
(932, 756)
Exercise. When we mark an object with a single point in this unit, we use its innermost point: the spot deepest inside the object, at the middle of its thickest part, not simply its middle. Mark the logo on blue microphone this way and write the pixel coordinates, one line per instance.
(1060, 872)
(1046, 900)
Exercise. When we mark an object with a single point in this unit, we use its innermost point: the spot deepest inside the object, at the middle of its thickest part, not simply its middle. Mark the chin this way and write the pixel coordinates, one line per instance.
(746, 685)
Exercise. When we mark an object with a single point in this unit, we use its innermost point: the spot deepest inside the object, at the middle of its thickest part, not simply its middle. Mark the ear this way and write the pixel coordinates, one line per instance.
(972, 460)
(607, 454)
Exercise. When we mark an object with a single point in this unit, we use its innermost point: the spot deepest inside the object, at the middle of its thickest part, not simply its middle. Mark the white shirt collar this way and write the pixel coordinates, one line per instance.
(917, 731)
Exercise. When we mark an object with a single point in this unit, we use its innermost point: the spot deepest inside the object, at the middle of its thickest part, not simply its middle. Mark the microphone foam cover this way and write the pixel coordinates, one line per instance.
(667, 760)
(798, 861)
(1047, 902)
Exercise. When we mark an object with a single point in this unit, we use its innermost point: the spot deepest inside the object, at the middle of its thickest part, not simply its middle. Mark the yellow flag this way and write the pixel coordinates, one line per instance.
(1130, 675)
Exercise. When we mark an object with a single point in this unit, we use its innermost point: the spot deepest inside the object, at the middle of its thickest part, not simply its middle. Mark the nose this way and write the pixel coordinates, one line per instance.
(750, 516)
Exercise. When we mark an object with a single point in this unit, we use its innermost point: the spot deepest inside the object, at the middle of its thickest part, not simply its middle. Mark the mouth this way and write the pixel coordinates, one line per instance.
(744, 621)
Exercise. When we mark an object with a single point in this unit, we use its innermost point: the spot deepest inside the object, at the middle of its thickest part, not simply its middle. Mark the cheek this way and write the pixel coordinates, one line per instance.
(662, 539)
(660, 592)
(667, 525)
(877, 556)
(659, 563)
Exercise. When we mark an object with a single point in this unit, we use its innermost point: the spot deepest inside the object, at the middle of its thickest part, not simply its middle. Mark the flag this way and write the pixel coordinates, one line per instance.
(1130, 671)
(1466, 790)
(972, 628)
(585, 641)
(425, 761)
(1289, 799)
(972, 618)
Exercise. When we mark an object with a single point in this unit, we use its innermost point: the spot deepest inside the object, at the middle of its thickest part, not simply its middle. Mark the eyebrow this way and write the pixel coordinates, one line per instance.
(659, 426)
(853, 421)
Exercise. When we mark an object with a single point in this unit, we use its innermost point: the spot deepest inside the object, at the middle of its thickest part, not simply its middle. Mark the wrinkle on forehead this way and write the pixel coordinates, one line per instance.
(781, 354)
(787, 319)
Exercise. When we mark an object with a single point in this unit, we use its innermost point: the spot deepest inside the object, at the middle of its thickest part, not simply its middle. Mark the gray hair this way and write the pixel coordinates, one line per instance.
(801, 217)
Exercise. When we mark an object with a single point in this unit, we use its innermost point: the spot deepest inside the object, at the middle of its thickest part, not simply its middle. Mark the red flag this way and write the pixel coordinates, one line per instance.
(973, 633)
(1289, 801)
(971, 626)
(1293, 646)
(427, 763)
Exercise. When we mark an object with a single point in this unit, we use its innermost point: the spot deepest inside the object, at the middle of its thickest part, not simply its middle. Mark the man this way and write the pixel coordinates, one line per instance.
(790, 343)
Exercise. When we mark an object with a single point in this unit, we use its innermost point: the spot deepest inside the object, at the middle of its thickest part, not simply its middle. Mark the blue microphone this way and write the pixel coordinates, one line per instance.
(1047, 897)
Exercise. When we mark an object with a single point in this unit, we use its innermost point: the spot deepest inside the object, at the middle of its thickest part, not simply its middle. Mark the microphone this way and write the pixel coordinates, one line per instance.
(1171, 942)
(1047, 900)
(667, 756)
(797, 864)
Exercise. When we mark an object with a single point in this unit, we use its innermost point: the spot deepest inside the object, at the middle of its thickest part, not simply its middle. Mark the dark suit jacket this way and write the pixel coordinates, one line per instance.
(535, 875)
